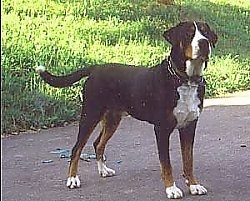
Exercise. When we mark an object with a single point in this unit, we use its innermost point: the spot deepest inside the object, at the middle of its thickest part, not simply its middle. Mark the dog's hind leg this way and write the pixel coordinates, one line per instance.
(187, 140)
(111, 120)
(87, 124)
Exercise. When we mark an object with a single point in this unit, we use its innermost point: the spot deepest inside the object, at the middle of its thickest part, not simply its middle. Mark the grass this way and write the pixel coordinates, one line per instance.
(64, 35)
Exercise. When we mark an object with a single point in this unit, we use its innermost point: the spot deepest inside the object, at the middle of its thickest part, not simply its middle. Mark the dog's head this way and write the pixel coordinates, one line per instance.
(191, 46)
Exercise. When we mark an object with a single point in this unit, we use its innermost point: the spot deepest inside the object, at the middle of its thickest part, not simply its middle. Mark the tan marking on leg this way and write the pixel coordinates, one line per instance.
(110, 123)
(187, 157)
(166, 173)
(73, 168)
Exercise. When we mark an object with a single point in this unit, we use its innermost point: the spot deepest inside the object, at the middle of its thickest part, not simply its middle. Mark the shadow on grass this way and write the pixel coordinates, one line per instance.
(230, 22)
(24, 109)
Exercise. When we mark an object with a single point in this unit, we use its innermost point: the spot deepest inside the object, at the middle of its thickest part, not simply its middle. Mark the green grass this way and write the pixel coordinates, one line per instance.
(64, 35)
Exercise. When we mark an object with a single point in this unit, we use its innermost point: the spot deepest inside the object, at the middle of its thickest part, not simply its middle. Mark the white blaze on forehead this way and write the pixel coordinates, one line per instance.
(195, 42)
(198, 35)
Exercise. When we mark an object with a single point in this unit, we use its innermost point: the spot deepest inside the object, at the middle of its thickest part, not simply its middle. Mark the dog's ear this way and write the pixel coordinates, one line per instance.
(213, 38)
(171, 35)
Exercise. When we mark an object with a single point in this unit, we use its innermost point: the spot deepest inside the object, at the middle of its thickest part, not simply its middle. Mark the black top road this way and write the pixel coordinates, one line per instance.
(34, 165)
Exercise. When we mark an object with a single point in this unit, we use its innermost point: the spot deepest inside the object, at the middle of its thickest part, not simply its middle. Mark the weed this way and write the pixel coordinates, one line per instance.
(64, 35)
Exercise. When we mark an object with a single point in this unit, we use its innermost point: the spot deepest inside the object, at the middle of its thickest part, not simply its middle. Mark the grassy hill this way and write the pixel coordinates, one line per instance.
(64, 35)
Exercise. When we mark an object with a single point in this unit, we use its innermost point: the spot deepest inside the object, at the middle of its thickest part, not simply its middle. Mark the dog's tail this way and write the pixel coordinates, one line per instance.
(63, 81)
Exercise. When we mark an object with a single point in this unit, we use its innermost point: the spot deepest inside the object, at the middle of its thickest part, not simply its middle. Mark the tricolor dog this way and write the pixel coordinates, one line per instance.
(168, 95)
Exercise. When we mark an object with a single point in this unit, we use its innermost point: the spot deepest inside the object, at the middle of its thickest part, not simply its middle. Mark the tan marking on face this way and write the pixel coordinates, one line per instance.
(188, 48)
(188, 52)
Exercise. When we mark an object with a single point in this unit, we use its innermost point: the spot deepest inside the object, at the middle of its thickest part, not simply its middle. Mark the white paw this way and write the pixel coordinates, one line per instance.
(173, 192)
(73, 182)
(197, 189)
(103, 170)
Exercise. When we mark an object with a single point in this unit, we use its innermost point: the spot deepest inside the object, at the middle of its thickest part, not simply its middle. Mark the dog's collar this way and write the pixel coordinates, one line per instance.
(181, 77)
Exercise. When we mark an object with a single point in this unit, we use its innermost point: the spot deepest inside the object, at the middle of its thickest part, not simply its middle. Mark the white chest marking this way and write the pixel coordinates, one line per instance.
(187, 108)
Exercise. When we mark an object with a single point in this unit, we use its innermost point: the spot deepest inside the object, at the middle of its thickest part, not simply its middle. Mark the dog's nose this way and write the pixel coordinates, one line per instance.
(204, 48)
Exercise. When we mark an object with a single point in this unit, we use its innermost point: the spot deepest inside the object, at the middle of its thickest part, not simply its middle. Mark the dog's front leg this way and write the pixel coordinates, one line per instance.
(162, 137)
(187, 140)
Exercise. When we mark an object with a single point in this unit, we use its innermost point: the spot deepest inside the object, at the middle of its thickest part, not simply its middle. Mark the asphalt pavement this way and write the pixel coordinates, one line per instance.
(35, 169)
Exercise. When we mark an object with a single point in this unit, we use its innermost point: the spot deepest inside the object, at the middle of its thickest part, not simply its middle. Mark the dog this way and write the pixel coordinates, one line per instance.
(169, 96)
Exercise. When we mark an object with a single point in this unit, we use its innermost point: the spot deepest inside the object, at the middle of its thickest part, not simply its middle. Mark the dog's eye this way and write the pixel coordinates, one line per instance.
(189, 34)
(205, 33)
(204, 30)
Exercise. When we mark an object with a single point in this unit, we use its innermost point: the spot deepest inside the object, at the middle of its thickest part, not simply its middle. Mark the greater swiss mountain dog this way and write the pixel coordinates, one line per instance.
(168, 95)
